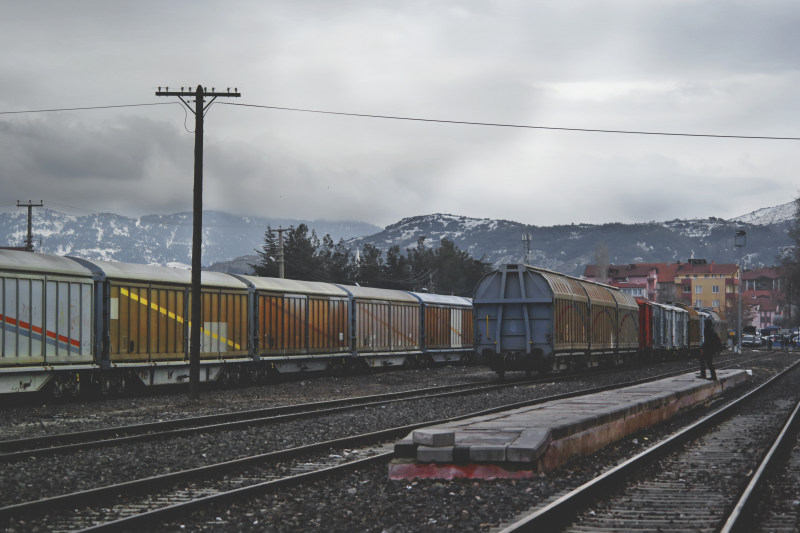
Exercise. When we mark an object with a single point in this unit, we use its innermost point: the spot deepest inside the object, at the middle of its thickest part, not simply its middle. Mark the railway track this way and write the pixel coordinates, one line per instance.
(179, 492)
(19, 449)
(769, 503)
(687, 482)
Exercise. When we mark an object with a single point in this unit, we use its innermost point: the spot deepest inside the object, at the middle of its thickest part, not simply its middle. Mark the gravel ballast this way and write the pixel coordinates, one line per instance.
(365, 500)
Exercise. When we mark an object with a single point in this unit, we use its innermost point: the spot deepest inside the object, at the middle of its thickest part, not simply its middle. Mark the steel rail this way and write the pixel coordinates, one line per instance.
(137, 521)
(150, 482)
(44, 444)
(49, 445)
(101, 494)
(741, 512)
(558, 513)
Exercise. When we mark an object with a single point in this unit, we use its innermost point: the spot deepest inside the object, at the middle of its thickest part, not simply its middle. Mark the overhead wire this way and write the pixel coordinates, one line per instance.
(506, 125)
(84, 108)
(430, 120)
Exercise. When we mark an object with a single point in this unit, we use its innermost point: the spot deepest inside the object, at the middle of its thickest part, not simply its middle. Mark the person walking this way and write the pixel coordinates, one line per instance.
(711, 346)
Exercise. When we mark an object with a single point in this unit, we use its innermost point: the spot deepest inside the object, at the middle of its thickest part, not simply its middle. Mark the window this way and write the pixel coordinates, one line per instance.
(687, 288)
(698, 303)
(698, 289)
(715, 303)
(715, 289)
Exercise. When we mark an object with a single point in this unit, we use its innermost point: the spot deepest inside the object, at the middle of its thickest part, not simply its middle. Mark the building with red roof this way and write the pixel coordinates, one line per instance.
(696, 282)
(763, 293)
(701, 284)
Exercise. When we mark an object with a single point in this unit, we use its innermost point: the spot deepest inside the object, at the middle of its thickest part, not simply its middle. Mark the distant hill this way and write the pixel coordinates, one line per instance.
(155, 239)
(568, 248)
(230, 241)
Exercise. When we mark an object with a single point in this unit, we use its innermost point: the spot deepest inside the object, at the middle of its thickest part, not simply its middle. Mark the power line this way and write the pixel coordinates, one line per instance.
(523, 126)
(432, 120)
(87, 108)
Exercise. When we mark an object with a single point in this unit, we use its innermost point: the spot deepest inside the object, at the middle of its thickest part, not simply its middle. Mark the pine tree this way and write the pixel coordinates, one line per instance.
(267, 265)
(445, 270)
(299, 252)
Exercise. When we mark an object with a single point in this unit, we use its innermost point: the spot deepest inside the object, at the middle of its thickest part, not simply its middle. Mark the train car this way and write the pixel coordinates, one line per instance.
(660, 329)
(627, 336)
(299, 326)
(70, 322)
(680, 322)
(385, 327)
(647, 328)
(671, 334)
(694, 336)
(143, 312)
(527, 318)
(46, 322)
(446, 327)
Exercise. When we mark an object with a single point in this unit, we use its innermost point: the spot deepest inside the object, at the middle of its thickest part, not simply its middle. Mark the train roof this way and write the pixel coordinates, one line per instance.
(625, 300)
(17, 261)
(562, 285)
(372, 293)
(693, 314)
(293, 286)
(670, 307)
(159, 274)
(599, 293)
(442, 299)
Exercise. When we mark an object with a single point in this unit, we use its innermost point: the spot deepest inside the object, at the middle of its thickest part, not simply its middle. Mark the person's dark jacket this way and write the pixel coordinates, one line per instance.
(711, 344)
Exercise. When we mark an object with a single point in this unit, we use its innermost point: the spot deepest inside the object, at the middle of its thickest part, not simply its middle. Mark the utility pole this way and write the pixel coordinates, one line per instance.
(197, 224)
(526, 240)
(29, 240)
(281, 261)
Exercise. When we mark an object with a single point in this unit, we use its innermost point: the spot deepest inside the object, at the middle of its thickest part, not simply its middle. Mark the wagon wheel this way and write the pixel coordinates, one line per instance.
(65, 385)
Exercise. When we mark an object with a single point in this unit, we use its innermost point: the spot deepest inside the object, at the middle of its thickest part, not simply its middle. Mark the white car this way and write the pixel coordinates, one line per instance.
(751, 340)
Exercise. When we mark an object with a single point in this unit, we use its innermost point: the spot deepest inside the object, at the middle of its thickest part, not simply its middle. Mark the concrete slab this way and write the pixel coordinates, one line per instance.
(433, 437)
(532, 440)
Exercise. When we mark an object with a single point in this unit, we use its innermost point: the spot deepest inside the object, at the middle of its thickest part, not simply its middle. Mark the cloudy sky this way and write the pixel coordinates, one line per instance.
(678, 66)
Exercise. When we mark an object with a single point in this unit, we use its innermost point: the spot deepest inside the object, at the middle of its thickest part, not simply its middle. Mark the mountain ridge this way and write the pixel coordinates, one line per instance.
(230, 241)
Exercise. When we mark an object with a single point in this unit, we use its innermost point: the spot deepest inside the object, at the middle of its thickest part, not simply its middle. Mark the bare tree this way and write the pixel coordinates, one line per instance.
(601, 259)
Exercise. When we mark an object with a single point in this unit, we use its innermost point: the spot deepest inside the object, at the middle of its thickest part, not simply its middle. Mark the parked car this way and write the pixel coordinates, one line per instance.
(751, 340)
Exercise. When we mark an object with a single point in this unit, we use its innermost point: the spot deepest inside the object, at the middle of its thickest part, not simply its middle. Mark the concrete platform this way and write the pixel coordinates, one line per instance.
(533, 440)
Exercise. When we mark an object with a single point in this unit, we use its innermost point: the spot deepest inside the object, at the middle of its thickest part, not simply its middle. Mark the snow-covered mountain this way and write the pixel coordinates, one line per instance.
(569, 248)
(769, 215)
(166, 239)
(154, 239)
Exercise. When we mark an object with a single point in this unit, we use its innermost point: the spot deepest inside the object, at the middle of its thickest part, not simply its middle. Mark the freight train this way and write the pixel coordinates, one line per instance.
(531, 319)
(69, 324)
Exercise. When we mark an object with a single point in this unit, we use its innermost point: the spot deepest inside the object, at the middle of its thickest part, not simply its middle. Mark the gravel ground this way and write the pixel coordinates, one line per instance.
(362, 501)
(368, 501)
(26, 418)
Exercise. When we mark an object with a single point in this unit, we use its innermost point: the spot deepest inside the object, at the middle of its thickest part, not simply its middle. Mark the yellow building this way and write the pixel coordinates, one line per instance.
(707, 285)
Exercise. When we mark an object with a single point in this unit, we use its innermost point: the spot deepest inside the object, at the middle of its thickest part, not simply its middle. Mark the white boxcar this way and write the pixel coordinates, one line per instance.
(46, 318)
